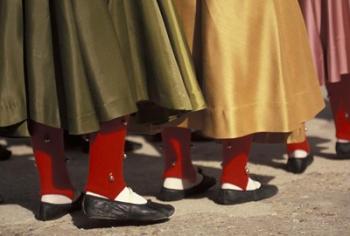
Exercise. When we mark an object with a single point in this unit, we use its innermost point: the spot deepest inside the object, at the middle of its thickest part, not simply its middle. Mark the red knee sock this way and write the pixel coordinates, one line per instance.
(342, 124)
(48, 150)
(235, 159)
(291, 147)
(177, 160)
(106, 175)
(339, 99)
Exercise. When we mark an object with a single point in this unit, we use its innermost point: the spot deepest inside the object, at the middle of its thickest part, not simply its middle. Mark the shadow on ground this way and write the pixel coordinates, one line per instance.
(143, 173)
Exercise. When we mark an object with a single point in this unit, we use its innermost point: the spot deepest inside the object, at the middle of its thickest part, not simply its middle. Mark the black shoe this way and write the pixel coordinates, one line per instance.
(231, 197)
(104, 209)
(343, 150)
(4, 154)
(175, 195)
(50, 211)
(299, 165)
(1, 199)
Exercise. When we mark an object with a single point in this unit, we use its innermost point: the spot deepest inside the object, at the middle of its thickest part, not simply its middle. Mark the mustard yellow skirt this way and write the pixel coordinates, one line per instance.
(254, 65)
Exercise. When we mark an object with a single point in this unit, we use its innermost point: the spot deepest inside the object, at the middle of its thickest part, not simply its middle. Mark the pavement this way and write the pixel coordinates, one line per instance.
(314, 203)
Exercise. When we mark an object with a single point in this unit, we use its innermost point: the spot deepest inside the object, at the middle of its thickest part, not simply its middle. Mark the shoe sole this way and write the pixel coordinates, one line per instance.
(233, 197)
(94, 216)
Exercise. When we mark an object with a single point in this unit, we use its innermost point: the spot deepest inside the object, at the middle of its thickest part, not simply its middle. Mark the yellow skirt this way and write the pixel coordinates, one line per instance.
(254, 65)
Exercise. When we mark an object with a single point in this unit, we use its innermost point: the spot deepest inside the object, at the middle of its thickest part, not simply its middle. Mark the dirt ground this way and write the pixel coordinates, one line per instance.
(314, 203)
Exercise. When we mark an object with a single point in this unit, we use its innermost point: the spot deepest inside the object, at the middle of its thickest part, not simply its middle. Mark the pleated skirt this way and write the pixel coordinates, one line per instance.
(74, 64)
(254, 66)
(328, 24)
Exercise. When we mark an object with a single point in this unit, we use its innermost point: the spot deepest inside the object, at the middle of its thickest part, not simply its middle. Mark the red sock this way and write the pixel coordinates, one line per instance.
(177, 160)
(106, 175)
(342, 124)
(235, 159)
(291, 147)
(339, 99)
(48, 150)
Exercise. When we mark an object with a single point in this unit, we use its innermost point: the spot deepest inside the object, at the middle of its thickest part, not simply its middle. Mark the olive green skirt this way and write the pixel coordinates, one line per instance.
(75, 64)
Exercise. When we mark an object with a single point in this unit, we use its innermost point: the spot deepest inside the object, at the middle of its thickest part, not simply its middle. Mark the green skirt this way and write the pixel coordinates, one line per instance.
(74, 64)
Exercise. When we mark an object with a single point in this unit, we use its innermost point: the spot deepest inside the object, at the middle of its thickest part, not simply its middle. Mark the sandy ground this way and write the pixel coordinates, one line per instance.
(314, 203)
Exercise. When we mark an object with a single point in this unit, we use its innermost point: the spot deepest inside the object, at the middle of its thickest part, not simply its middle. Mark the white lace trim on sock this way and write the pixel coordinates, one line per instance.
(55, 199)
(299, 153)
(126, 195)
(181, 184)
(96, 195)
(252, 185)
(343, 141)
(129, 196)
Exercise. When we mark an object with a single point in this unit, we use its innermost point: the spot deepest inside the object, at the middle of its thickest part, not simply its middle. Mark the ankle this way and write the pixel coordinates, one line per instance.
(105, 191)
(127, 195)
(190, 173)
(343, 140)
(299, 153)
(182, 183)
(239, 179)
(251, 185)
(298, 150)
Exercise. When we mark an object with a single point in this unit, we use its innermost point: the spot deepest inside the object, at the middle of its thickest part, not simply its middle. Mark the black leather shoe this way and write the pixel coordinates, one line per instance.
(168, 195)
(4, 154)
(343, 150)
(104, 209)
(231, 197)
(50, 211)
(299, 165)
